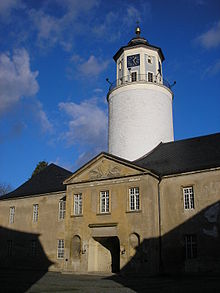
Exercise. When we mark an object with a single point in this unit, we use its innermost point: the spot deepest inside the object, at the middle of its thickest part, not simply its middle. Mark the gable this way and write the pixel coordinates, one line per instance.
(104, 167)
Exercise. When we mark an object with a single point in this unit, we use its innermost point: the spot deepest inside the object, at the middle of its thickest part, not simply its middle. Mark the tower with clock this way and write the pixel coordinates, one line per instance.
(140, 101)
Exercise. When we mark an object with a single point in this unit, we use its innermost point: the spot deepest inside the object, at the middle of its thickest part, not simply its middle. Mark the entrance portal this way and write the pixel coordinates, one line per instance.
(104, 254)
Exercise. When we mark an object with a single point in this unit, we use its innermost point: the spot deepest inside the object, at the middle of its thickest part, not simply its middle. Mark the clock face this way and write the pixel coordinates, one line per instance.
(133, 60)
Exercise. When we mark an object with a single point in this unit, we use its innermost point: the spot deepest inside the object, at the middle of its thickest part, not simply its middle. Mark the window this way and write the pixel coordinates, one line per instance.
(120, 65)
(188, 195)
(12, 215)
(134, 76)
(62, 209)
(134, 199)
(190, 246)
(150, 77)
(149, 59)
(35, 213)
(9, 247)
(34, 247)
(60, 248)
(104, 201)
(78, 204)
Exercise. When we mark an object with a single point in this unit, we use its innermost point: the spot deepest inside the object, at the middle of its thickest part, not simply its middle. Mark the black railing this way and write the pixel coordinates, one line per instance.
(148, 78)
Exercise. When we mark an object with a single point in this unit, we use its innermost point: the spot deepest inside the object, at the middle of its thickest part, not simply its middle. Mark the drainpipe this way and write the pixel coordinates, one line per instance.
(160, 237)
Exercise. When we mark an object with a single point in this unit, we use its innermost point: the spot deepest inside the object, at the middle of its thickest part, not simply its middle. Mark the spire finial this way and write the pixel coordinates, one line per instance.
(138, 29)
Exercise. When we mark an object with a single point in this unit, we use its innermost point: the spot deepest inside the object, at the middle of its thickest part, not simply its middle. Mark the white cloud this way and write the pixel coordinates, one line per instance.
(93, 66)
(211, 38)
(6, 7)
(87, 124)
(212, 70)
(16, 79)
(41, 116)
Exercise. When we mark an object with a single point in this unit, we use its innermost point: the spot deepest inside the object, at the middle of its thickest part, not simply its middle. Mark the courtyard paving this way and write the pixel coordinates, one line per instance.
(38, 282)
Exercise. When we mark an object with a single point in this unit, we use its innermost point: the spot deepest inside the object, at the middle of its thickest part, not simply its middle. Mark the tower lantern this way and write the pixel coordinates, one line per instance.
(140, 101)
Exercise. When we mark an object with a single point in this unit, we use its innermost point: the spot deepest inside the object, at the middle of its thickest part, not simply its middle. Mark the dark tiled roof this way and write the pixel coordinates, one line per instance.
(138, 41)
(186, 155)
(48, 180)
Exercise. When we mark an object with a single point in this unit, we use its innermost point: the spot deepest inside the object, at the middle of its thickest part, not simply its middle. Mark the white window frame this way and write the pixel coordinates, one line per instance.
(189, 198)
(77, 205)
(11, 215)
(35, 212)
(149, 73)
(62, 209)
(60, 248)
(190, 246)
(104, 202)
(134, 199)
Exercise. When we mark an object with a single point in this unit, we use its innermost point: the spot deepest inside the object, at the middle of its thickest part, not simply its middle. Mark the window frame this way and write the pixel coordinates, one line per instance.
(104, 201)
(61, 209)
(60, 248)
(152, 75)
(134, 199)
(11, 214)
(35, 215)
(134, 73)
(191, 246)
(188, 198)
(77, 204)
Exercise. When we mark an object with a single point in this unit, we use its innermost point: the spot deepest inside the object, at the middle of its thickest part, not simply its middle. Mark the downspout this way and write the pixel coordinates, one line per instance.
(160, 236)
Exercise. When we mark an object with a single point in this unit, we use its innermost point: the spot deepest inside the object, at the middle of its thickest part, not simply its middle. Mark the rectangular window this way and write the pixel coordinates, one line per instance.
(78, 204)
(134, 76)
(149, 59)
(62, 209)
(190, 246)
(104, 201)
(150, 77)
(34, 247)
(9, 247)
(60, 248)
(12, 215)
(134, 199)
(188, 195)
(35, 212)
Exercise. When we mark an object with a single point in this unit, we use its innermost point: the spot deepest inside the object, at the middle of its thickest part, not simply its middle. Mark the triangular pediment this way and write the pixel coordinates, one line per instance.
(104, 166)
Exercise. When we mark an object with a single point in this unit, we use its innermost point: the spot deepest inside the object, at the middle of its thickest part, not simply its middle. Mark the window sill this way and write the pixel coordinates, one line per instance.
(76, 216)
(103, 214)
(135, 211)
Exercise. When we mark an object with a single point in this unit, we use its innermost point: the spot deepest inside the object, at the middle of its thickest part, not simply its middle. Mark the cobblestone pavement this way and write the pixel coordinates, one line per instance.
(28, 281)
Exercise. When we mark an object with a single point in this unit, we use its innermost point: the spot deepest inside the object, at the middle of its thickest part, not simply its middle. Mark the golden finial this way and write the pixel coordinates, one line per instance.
(138, 29)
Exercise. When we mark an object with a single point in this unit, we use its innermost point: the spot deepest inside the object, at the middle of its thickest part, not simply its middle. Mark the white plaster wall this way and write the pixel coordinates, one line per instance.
(140, 117)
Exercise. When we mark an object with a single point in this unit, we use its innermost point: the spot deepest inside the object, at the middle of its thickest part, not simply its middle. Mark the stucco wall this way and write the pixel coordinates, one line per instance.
(140, 117)
(47, 230)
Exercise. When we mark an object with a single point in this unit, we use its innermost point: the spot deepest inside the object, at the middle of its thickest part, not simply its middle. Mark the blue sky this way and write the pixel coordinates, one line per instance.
(56, 54)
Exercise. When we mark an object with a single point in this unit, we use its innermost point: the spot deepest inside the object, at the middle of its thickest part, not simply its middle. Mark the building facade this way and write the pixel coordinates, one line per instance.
(150, 205)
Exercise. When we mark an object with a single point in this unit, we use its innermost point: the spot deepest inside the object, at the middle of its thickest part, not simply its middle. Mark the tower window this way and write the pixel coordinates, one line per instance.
(149, 59)
(188, 195)
(134, 76)
(150, 77)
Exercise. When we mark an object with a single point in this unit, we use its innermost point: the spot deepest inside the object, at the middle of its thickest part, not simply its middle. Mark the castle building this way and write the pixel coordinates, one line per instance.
(149, 205)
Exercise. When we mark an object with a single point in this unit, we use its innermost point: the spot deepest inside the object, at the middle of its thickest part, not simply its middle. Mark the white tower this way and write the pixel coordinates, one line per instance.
(140, 102)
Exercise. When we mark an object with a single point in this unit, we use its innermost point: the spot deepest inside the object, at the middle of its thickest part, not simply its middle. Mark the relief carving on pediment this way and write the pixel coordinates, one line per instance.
(100, 172)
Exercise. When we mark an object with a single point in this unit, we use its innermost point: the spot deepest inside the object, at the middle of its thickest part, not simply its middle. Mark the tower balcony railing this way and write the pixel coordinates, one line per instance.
(148, 78)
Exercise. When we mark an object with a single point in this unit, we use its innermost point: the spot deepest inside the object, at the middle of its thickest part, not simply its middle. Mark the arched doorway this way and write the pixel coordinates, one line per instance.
(104, 254)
